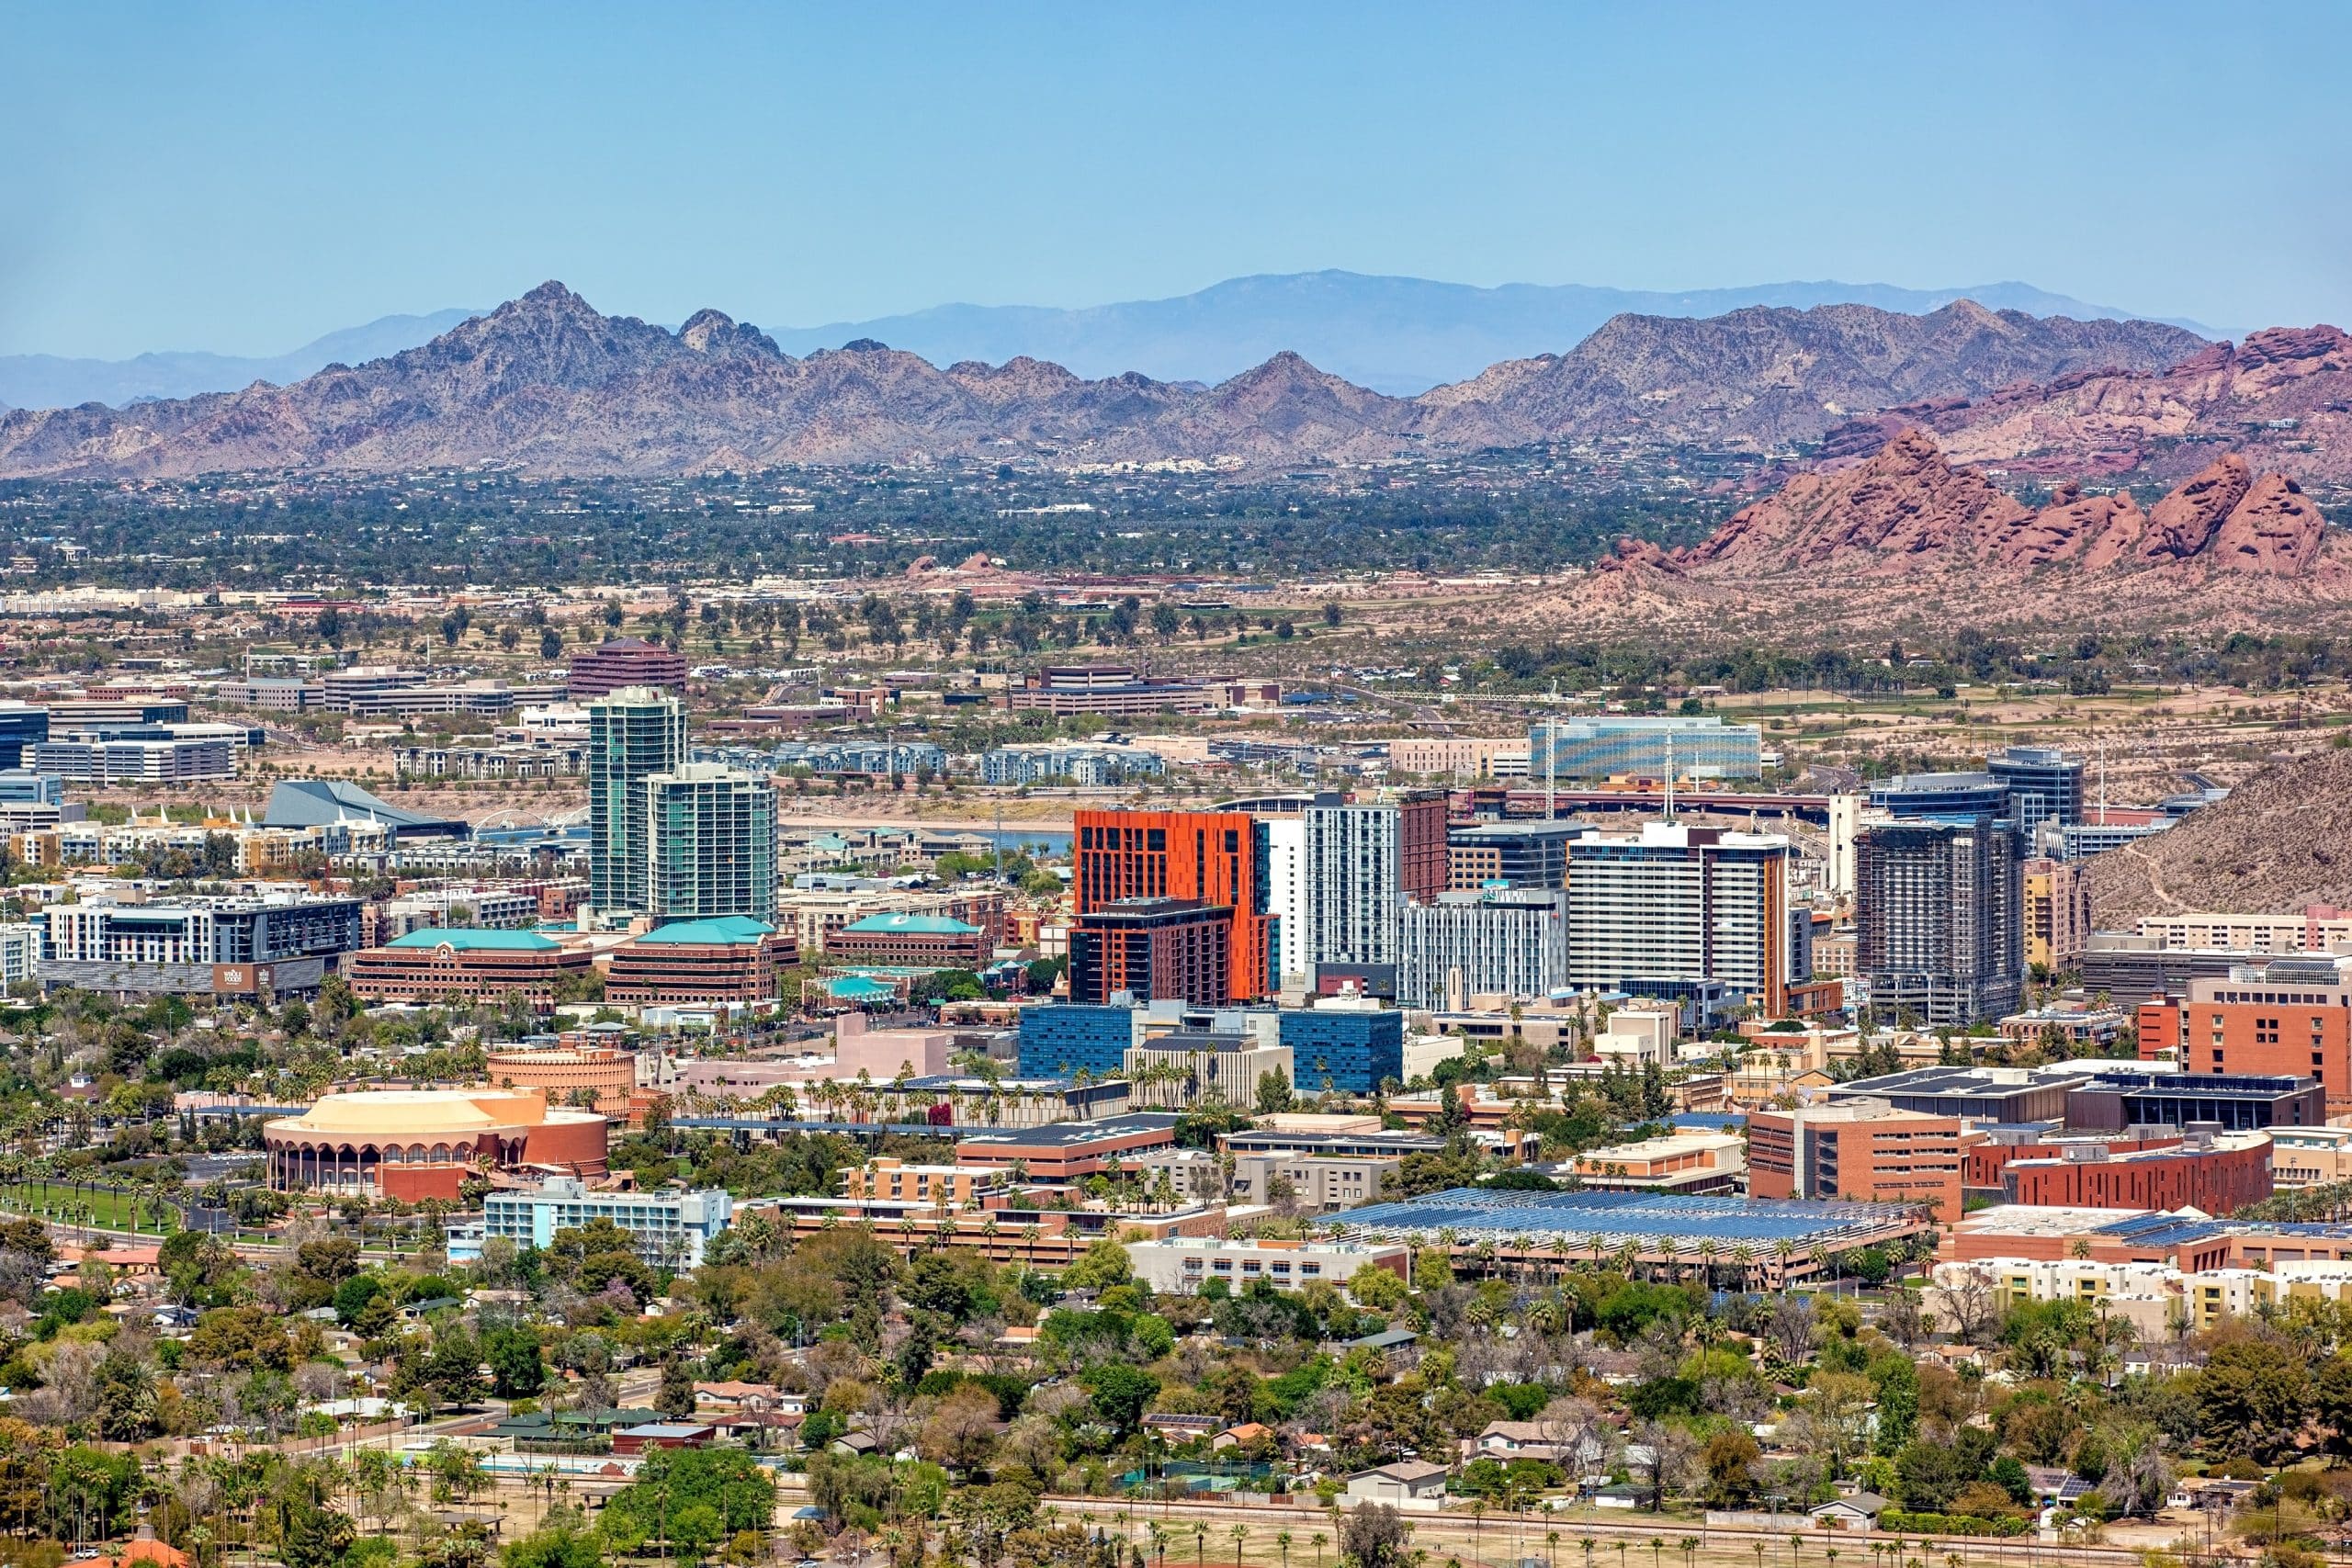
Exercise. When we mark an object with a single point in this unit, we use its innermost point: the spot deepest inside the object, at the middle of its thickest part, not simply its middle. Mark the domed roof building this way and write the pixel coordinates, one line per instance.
(421, 1143)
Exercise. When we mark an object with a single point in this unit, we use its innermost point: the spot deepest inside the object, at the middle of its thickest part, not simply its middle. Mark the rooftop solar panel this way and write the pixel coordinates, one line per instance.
(1636, 1216)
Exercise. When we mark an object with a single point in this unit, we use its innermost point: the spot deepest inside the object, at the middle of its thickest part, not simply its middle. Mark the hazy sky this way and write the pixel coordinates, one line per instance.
(245, 178)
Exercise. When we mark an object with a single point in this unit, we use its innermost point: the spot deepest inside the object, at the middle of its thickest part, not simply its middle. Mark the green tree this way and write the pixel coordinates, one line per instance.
(515, 1369)
(1119, 1394)
(315, 1536)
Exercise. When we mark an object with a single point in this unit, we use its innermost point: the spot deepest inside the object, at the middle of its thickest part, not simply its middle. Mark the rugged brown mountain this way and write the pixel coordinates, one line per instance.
(548, 382)
(2283, 397)
(1908, 512)
(1764, 378)
(2282, 840)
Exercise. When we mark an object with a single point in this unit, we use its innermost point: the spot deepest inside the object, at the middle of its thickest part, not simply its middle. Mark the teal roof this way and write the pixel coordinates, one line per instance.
(911, 925)
(468, 939)
(722, 931)
(858, 985)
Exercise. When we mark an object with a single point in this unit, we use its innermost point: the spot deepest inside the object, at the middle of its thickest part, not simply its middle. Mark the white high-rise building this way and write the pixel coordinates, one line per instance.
(1363, 860)
(1502, 942)
(1286, 894)
(1675, 905)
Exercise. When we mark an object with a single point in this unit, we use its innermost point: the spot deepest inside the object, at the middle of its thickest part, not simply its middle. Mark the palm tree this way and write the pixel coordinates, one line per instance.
(1552, 1545)
(1689, 1546)
(1240, 1533)
(1281, 1540)
(1200, 1542)
(1658, 1544)
(1318, 1539)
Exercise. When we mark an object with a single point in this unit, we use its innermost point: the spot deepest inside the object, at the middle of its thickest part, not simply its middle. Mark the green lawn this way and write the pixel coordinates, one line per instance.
(61, 1203)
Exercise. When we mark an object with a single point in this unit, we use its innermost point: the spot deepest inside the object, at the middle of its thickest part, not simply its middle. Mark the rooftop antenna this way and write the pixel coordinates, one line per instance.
(1552, 754)
(1669, 773)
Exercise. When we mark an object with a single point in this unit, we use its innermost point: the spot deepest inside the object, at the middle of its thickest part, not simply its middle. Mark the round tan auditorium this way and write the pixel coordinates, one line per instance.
(414, 1143)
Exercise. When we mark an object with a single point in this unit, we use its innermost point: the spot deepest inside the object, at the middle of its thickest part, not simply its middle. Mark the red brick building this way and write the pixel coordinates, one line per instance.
(729, 959)
(2292, 1021)
(2220, 1177)
(624, 662)
(1863, 1151)
(1158, 949)
(438, 965)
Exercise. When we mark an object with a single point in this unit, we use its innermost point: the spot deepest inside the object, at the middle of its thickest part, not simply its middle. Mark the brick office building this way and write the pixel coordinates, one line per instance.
(624, 662)
(439, 965)
(2291, 1019)
(1157, 949)
(917, 941)
(730, 958)
(2219, 1175)
(1866, 1151)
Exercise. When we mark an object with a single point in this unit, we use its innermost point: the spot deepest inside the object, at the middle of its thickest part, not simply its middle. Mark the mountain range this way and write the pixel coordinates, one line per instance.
(547, 382)
(1395, 335)
(50, 381)
(2283, 397)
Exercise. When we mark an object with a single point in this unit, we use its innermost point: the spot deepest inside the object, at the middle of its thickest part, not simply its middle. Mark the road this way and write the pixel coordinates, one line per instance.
(1502, 1541)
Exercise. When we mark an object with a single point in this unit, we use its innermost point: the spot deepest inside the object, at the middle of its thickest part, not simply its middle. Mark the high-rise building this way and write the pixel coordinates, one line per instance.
(1941, 797)
(1525, 854)
(2057, 913)
(1154, 949)
(1218, 858)
(1678, 903)
(1286, 892)
(633, 734)
(2291, 1017)
(2045, 785)
(1365, 858)
(1504, 942)
(711, 837)
(1938, 925)
(1695, 746)
(2026, 785)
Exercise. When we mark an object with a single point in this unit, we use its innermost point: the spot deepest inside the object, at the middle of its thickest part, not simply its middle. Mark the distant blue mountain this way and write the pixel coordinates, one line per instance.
(1399, 335)
(50, 381)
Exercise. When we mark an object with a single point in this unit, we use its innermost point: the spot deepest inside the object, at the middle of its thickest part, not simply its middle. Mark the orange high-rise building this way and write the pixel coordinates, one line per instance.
(1217, 857)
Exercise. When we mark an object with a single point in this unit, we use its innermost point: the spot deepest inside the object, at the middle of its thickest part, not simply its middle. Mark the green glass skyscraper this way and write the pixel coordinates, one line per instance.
(633, 734)
(714, 843)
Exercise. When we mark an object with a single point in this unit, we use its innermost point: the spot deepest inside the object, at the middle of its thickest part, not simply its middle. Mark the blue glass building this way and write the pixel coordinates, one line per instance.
(1701, 747)
(1059, 1038)
(1345, 1049)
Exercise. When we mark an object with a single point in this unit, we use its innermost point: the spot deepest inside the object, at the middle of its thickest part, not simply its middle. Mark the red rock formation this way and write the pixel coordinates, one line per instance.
(1907, 500)
(2275, 530)
(2184, 523)
(1908, 511)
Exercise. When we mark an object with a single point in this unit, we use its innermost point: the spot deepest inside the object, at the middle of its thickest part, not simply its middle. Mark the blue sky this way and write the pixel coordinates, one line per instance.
(243, 178)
